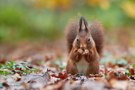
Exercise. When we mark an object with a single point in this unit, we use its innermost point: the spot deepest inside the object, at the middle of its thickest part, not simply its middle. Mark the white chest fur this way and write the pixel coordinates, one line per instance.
(82, 66)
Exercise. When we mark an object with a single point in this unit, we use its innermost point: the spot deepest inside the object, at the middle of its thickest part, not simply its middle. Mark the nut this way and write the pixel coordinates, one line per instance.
(80, 51)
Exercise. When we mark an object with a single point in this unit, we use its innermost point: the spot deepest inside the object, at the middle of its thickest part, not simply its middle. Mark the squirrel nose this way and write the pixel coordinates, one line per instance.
(82, 46)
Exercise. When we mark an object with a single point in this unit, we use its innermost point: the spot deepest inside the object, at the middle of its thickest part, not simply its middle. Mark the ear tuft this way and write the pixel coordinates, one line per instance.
(82, 24)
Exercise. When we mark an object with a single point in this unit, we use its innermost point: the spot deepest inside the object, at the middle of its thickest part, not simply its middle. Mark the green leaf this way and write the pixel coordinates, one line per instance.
(62, 66)
(133, 65)
(127, 73)
(121, 62)
(4, 72)
(10, 64)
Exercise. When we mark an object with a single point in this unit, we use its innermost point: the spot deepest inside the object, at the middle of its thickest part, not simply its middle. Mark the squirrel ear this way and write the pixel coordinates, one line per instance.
(83, 24)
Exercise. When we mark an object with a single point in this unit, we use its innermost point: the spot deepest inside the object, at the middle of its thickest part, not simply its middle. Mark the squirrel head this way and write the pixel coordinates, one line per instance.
(83, 38)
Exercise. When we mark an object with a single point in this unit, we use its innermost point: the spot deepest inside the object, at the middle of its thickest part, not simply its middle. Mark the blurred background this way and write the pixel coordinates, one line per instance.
(33, 20)
(33, 31)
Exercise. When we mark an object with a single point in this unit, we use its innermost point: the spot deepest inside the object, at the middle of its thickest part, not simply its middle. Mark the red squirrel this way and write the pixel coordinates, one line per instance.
(85, 44)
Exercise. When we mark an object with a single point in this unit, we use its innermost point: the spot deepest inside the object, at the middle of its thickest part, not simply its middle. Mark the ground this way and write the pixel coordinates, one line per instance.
(41, 66)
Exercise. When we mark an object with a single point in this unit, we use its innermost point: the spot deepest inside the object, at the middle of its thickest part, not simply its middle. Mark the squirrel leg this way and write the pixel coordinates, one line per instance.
(93, 68)
(71, 67)
(93, 60)
(74, 57)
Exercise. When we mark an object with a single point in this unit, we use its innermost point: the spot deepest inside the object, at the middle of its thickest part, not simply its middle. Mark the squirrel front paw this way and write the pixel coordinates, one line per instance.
(80, 51)
(86, 51)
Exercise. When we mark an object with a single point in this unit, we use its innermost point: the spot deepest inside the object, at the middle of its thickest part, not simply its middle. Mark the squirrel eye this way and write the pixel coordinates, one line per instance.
(77, 40)
(88, 39)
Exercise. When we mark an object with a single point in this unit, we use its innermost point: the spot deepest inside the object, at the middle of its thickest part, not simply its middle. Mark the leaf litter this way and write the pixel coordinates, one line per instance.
(38, 67)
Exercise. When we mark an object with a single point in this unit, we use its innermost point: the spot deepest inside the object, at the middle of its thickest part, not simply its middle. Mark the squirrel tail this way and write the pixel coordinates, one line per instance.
(97, 35)
(71, 32)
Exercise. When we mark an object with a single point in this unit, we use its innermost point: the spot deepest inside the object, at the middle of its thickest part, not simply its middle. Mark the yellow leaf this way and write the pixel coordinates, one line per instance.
(93, 2)
(129, 8)
(52, 4)
(132, 42)
(104, 4)
(64, 3)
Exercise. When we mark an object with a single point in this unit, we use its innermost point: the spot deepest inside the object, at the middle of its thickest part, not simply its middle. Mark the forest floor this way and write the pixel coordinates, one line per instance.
(41, 66)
